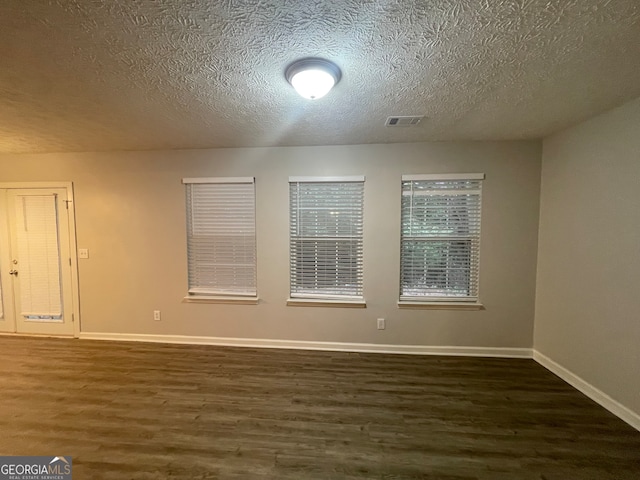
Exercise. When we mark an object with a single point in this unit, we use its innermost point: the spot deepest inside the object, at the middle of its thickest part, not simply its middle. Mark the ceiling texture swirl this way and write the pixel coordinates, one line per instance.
(104, 75)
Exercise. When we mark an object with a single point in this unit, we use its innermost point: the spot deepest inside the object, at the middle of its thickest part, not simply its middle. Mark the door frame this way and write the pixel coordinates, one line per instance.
(73, 248)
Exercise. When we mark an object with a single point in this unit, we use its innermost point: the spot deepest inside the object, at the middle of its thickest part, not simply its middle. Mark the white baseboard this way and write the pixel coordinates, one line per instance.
(589, 390)
(306, 345)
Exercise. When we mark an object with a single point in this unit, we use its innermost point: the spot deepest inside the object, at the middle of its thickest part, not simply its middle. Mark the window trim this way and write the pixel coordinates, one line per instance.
(444, 305)
(326, 302)
(225, 180)
(444, 176)
(230, 299)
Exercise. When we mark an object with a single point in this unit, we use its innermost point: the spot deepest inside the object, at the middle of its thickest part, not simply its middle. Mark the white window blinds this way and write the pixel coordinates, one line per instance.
(440, 239)
(38, 253)
(221, 236)
(326, 228)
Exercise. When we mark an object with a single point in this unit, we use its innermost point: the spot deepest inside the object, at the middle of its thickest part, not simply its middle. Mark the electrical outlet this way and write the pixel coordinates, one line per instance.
(381, 324)
(83, 253)
(156, 315)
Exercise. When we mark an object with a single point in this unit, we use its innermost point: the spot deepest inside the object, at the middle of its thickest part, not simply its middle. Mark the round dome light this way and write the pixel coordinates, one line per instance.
(313, 77)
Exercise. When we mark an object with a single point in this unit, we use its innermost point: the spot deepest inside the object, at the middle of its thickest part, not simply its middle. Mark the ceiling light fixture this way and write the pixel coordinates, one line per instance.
(313, 77)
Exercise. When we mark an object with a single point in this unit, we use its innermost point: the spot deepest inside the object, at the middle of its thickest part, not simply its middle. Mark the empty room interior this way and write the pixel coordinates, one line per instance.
(321, 240)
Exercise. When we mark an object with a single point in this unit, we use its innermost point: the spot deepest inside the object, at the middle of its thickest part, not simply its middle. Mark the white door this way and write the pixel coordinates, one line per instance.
(35, 261)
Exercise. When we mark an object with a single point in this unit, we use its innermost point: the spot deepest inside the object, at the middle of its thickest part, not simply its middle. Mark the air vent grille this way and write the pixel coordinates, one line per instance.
(404, 121)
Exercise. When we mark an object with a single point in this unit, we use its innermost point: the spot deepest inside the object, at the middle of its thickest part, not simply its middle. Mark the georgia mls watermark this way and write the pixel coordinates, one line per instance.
(35, 468)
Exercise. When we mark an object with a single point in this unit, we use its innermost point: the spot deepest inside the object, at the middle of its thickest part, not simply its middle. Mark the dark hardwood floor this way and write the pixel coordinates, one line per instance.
(154, 411)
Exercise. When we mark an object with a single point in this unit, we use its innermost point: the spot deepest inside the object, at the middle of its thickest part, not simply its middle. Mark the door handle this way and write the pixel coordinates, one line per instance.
(13, 272)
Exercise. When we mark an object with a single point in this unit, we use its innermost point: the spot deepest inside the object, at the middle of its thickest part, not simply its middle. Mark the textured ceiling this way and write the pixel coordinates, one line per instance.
(89, 75)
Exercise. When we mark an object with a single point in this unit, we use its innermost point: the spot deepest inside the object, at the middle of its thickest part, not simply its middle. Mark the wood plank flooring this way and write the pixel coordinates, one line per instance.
(154, 411)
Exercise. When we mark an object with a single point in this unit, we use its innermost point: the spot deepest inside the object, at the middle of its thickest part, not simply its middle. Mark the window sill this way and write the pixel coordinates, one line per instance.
(317, 302)
(441, 305)
(220, 299)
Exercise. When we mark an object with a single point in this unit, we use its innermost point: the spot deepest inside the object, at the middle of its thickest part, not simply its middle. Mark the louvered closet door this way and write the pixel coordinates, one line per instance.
(37, 278)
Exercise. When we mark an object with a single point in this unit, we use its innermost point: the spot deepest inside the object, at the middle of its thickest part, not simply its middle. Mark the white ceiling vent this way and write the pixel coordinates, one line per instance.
(404, 121)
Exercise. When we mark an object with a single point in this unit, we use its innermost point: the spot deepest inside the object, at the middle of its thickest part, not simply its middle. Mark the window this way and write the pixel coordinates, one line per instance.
(440, 239)
(326, 237)
(221, 236)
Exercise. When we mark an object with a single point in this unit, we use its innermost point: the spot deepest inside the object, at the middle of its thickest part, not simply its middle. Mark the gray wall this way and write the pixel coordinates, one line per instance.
(130, 214)
(588, 289)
